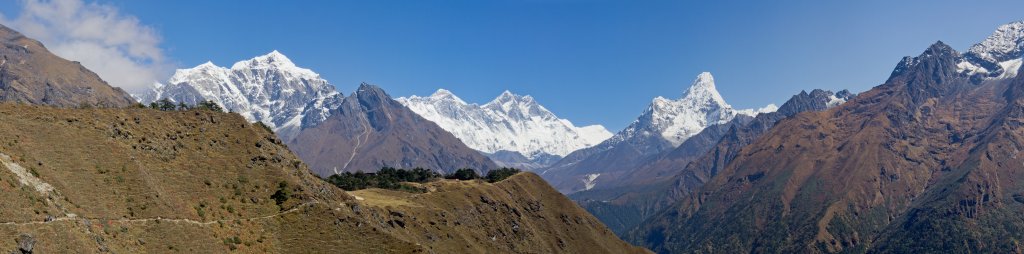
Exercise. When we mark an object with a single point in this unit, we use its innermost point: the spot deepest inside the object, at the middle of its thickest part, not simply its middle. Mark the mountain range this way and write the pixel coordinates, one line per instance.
(372, 130)
(625, 203)
(369, 130)
(663, 126)
(513, 130)
(269, 89)
(88, 172)
(926, 162)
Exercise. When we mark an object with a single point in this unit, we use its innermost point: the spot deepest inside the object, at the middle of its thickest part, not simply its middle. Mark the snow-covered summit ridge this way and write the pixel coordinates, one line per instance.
(998, 56)
(275, 60)
(268, 88)
(677, 120)
(510, 122)
(770, 108)
(704, 88)
(1006, 42)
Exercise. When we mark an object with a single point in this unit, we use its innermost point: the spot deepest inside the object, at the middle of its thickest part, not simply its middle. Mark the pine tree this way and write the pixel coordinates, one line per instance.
(166, 104)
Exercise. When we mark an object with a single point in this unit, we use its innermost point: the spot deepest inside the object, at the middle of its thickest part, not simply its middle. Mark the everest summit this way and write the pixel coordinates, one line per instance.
(514, 130)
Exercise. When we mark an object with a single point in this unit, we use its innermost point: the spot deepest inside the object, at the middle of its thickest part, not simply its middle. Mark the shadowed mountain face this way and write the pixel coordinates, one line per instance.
(31, 74)
(370, 130)
(695, 171)
(625, 203)
(927, 162)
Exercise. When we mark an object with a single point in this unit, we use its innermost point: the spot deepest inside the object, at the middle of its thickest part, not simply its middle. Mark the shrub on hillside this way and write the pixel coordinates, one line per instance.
(497, 175)
(282, 194)
(264, 126)
(385, 178)
(164, 104)
(463, 174)
(209, 105)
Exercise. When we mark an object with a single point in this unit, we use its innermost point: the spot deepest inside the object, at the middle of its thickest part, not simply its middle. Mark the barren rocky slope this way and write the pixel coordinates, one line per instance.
(369, 130)
(626, 203)
(29, 73)
(927, 162)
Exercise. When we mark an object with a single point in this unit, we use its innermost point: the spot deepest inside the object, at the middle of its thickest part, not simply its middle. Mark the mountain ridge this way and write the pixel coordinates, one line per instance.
(626, 202)
(930, 154)
(369, 130)
(508, 123)
(662, 126)
(268, 88)
(30, 73)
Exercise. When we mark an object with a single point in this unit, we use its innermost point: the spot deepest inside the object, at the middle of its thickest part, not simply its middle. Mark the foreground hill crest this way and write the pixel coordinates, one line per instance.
(200, 181)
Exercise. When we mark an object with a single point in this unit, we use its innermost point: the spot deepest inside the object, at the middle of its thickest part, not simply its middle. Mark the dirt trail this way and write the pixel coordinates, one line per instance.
(72, 218)
(46, 190)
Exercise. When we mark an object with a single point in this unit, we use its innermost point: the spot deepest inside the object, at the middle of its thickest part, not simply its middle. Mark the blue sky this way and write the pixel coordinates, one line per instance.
(593, 62)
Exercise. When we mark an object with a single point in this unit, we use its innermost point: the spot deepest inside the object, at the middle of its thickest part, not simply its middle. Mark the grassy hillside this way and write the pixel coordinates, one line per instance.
(521, 214)
(142, 180)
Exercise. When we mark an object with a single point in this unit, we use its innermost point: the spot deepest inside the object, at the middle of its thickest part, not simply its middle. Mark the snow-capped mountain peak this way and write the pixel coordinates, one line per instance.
(275, 61)
(519, 106)
(274, 58)
(510, 122)
(676, 120)
(205, 70)
(208, 65)
(445, 95)
(699, 107)
(269, 88)
(1006, 41)
(506, 95)
(508, 98)
(703, 89)
(998, 56)
(442, 93)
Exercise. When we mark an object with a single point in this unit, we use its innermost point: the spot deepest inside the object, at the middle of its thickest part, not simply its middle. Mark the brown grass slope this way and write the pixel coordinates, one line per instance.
(521, 214)
(31, 74)
(927, 162)
(142, 180)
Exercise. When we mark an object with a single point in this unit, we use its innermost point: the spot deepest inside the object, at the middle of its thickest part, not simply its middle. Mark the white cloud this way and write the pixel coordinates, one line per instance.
(123, 51)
